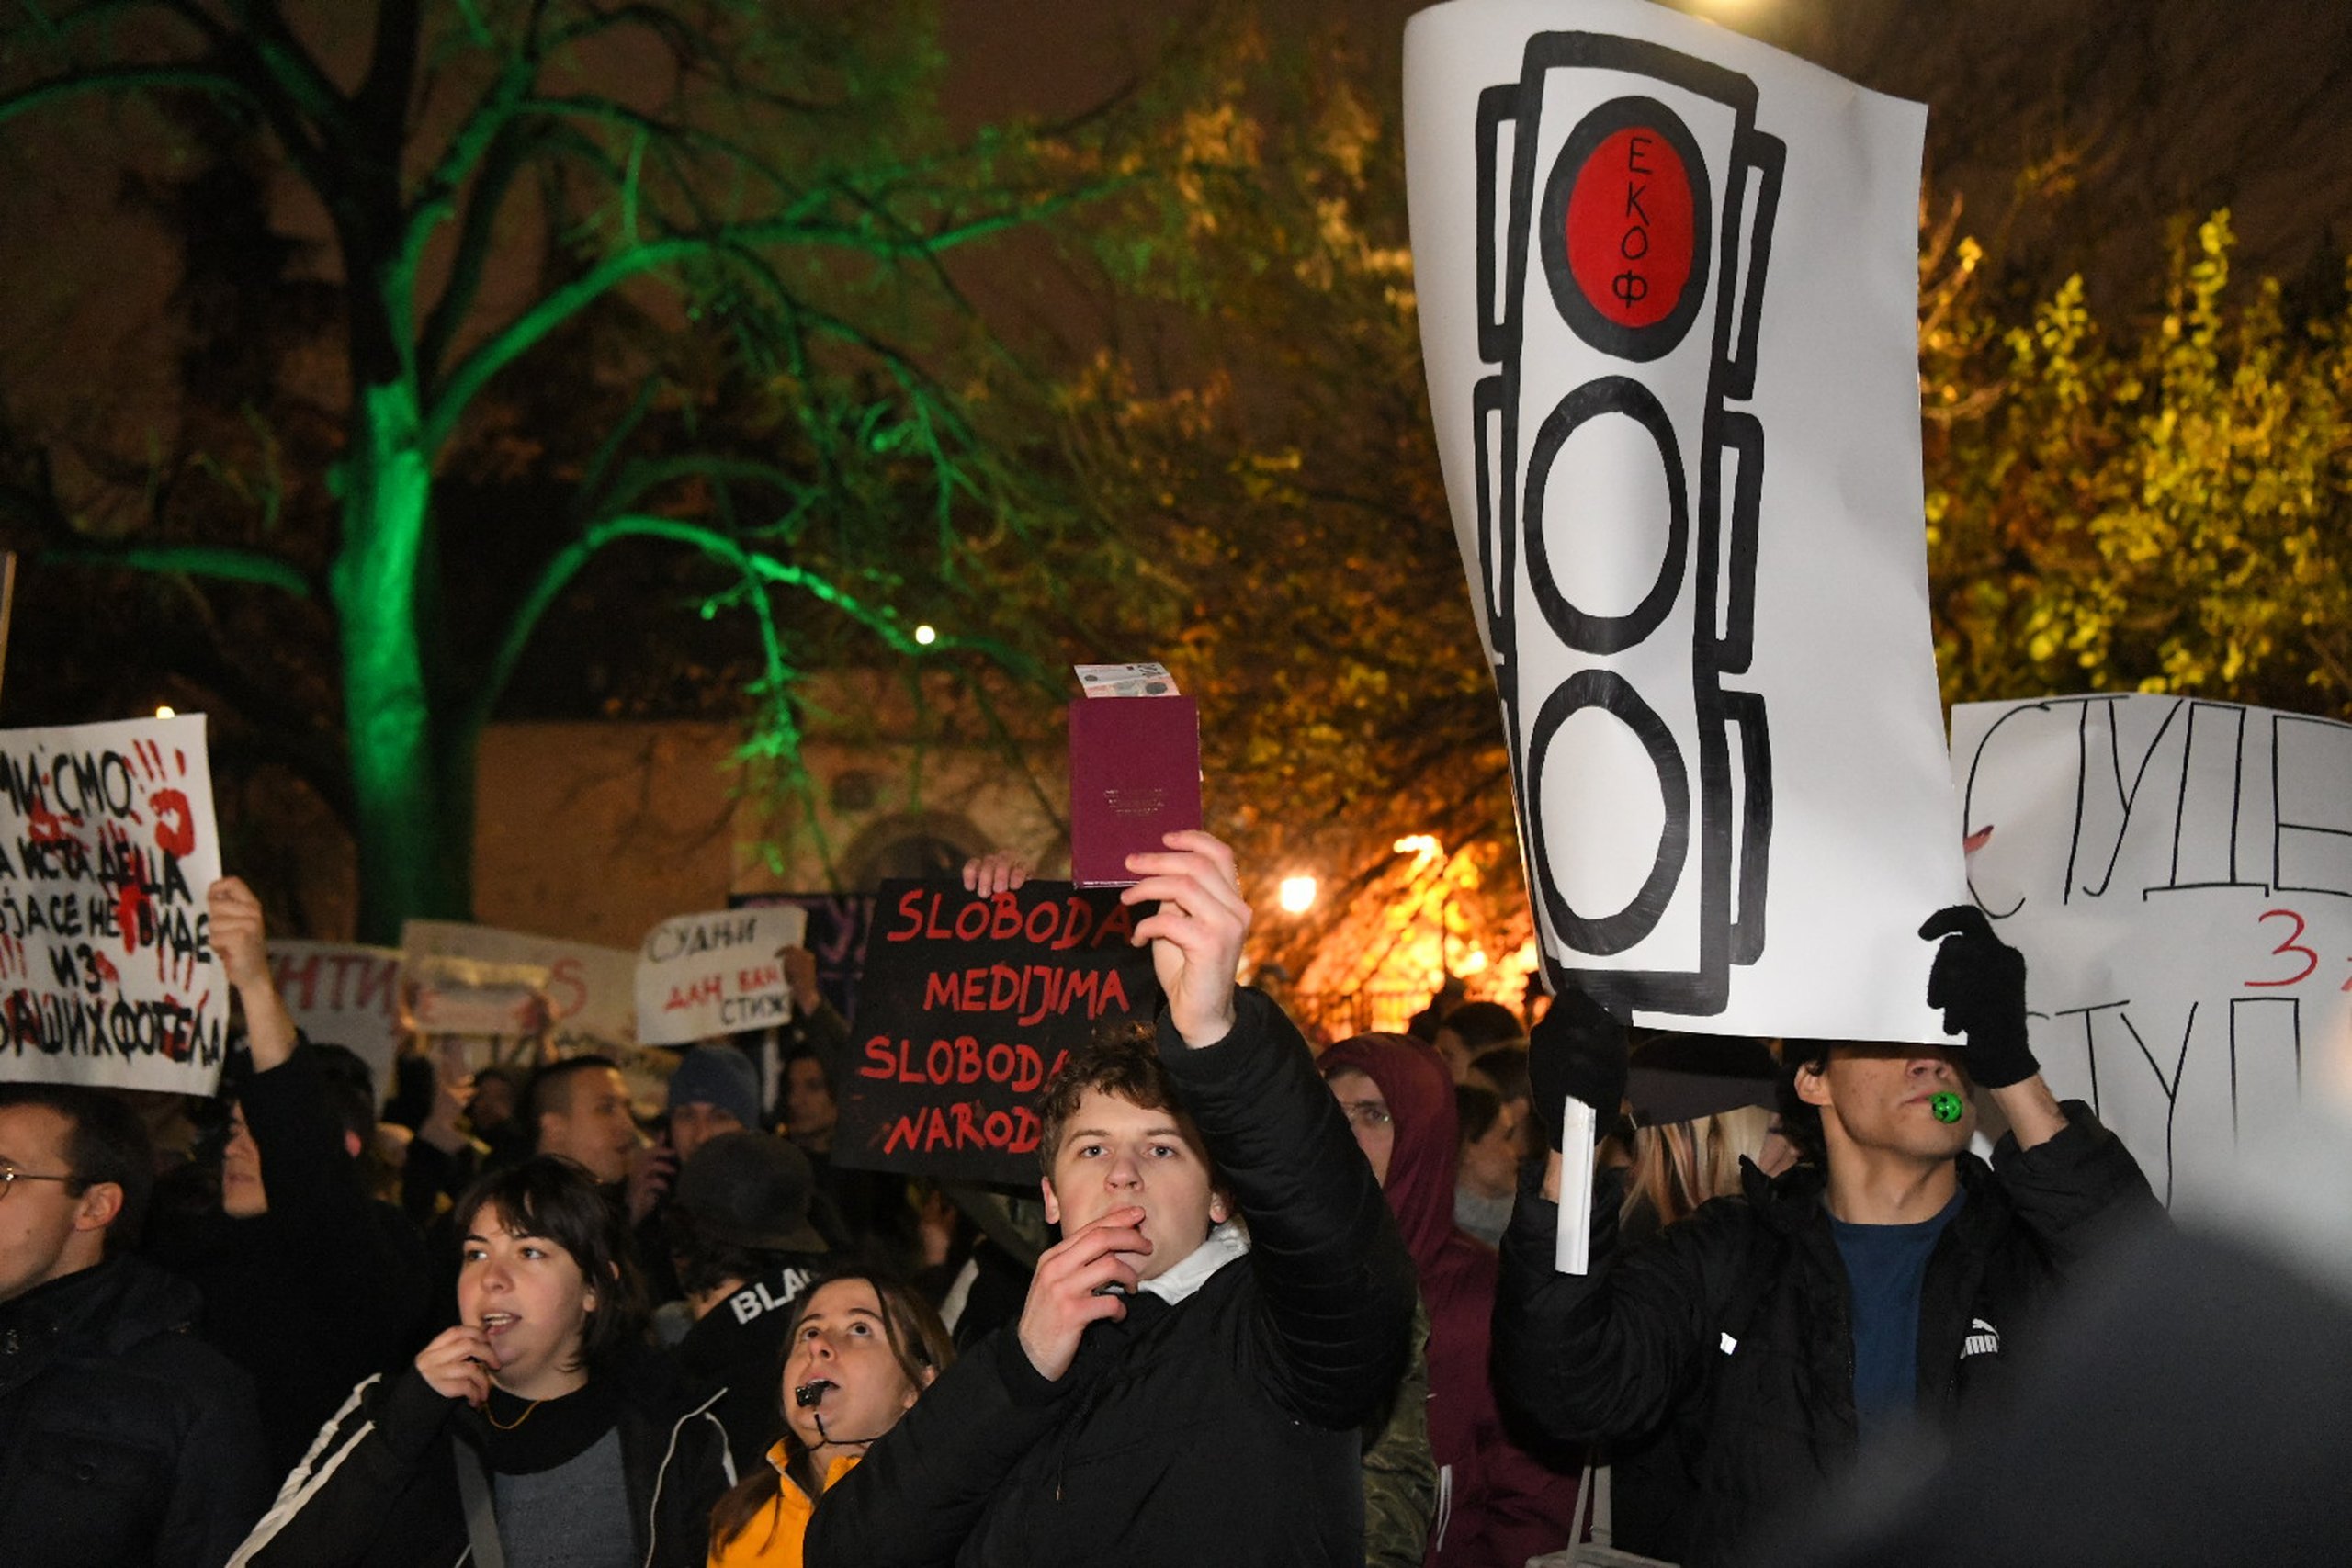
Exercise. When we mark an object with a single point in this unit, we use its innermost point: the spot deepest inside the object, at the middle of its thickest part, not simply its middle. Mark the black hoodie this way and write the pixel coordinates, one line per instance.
(325, 1288)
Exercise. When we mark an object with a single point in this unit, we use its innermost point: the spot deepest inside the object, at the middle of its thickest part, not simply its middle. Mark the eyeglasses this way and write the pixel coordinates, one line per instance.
(10, 1176)
(1367, 1114)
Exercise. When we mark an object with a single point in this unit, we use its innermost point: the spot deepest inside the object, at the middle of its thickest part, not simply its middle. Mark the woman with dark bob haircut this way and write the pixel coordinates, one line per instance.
(541, 1421)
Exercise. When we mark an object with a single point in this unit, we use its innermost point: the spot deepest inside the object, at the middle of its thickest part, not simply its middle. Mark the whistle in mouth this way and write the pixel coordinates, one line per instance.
(808, 1394)
(1946, 1106)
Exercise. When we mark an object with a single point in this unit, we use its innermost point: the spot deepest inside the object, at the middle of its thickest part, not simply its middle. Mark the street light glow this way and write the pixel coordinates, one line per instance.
(165, 710)
(925, 636)
(1297, 895)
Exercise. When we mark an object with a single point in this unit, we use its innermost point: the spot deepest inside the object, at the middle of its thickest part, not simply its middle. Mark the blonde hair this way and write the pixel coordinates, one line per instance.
(1681, 1165)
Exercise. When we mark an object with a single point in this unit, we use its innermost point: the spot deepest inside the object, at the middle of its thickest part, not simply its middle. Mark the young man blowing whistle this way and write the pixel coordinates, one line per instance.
(1780, 1333)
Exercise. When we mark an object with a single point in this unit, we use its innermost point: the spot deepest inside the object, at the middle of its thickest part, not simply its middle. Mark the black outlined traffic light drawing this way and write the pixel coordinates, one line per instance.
(1625, 208)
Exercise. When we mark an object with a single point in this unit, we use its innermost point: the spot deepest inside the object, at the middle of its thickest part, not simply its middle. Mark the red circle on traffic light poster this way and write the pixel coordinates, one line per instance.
(1627, 223)
(1629, 230)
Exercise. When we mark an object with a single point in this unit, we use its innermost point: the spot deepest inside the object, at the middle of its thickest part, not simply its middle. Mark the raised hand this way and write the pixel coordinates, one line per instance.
(651, 1172)
(1066, 1292)
(1197, 932)
(800, 977)
(1000, 873)
(1979, 981)
(1576, 1048)
(238, 937)
(240, 940)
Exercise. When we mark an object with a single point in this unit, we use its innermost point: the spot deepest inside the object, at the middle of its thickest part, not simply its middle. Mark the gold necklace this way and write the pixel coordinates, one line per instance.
(509, 1425)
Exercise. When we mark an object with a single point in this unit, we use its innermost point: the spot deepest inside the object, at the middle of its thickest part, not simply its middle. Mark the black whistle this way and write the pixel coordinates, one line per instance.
(808, 1394)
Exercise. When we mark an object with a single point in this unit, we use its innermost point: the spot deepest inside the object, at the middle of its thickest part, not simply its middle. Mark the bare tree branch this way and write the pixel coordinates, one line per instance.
(224, 562)
(125, 79)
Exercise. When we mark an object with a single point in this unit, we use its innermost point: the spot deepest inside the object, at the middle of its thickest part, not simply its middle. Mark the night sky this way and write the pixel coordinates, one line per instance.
(2177, 105)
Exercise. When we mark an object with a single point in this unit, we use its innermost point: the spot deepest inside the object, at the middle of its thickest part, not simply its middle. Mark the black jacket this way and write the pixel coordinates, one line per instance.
(1223, 1429)
(737, 1345)
(326, 1288)
(124, 1439)
(2189, 1402)
(1732, 1331)
(379, 1487)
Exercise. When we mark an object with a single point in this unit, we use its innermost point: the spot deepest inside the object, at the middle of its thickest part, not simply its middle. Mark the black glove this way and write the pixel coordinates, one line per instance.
(1979, 981)
(1577, 1049)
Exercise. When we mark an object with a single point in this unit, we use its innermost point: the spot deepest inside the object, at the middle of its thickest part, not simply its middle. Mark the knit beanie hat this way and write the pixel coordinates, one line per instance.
(720, 1077)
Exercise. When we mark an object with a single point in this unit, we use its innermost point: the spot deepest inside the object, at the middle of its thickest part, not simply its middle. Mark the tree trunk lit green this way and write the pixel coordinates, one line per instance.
(822, 424)
(410, 863)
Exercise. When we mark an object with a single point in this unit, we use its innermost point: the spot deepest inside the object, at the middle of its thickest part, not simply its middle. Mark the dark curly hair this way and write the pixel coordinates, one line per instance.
(1121, 1061)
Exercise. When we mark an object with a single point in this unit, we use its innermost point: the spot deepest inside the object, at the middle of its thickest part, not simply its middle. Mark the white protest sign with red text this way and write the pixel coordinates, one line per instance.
(106, 847)
(2178, 875)
(591, 991)
(344, 994)
(717, 974)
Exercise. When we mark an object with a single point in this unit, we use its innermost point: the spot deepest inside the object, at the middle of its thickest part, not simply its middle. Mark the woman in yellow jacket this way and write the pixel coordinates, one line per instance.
(861, 1350)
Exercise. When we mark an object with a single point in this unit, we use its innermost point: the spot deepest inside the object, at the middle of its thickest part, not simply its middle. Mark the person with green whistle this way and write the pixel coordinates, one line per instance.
(1783, 1334)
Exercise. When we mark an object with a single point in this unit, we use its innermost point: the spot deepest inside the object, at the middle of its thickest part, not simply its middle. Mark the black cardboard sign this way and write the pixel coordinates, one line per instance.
(966, 1006)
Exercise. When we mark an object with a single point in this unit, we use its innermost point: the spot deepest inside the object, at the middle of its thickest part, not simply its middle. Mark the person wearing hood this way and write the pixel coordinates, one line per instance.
(309, 1283)
(1496, 1503)
(746, 1255)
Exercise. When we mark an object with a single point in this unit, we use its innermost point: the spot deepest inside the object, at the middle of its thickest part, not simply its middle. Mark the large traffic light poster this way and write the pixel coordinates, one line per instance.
(1668, 286)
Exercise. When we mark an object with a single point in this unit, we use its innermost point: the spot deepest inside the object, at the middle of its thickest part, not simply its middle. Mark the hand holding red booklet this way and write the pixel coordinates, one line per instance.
(1134, 776)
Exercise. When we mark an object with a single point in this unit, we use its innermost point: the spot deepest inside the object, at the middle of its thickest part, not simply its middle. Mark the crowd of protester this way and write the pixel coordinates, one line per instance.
(1265, 1306)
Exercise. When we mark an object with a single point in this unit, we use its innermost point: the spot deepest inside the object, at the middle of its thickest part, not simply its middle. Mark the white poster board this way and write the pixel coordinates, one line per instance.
(591, 991)
(716, 974)
(2178, 875)
(1667, 279)
(490, 988)
(107, 848)
(344, 994)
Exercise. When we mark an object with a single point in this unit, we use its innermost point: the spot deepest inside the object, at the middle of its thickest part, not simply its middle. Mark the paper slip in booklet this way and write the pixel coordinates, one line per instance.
(1126, 680)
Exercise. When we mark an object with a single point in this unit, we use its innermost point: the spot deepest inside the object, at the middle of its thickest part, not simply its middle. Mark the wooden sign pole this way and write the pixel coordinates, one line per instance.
(8, 604)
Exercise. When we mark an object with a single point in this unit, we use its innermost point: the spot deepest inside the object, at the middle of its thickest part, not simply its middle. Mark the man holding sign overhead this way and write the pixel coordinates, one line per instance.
(1781, 1333)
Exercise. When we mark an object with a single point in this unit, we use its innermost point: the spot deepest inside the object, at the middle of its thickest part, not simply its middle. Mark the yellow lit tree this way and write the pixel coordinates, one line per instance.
(2165, 510)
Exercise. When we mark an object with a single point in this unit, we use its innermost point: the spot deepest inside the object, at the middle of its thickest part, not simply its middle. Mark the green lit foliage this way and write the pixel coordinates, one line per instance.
(2165, 510)
(664, 281)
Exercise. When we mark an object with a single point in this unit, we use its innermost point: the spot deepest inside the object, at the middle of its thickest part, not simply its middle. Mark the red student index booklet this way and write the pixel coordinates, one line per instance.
(1135, 774)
